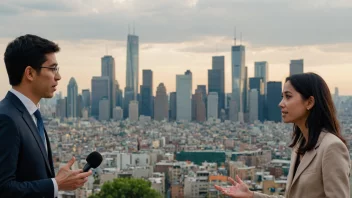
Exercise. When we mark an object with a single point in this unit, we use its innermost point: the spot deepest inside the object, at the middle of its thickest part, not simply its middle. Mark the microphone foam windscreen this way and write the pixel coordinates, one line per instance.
(94, 159)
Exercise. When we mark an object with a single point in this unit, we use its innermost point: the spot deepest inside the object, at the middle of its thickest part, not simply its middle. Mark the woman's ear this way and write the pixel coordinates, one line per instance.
(310, 103)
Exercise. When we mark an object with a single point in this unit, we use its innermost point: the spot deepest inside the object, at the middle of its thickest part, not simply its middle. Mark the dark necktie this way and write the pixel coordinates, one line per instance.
(40, 125)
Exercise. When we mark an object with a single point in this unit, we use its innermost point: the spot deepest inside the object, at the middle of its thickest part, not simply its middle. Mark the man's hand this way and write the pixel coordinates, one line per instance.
(71, 180)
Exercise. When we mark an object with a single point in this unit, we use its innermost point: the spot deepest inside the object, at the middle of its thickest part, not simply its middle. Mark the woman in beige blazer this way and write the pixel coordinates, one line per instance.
(320, 162)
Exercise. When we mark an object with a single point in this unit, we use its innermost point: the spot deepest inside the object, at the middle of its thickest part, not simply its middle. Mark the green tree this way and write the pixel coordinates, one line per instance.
(127, 188)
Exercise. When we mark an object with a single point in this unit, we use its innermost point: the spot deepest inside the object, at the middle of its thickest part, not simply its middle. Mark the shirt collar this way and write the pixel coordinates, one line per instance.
(30, 106)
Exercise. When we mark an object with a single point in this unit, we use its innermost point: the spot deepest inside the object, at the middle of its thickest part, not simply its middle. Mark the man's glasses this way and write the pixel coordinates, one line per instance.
(55, 70)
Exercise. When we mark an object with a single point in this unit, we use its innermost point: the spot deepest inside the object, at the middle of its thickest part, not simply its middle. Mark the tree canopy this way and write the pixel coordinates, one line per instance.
(127, 188)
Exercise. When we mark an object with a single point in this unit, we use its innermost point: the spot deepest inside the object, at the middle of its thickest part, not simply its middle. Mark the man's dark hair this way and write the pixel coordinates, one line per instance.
(27, 50)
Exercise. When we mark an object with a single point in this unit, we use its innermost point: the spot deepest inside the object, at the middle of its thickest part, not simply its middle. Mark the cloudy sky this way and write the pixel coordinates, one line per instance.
(176, 35)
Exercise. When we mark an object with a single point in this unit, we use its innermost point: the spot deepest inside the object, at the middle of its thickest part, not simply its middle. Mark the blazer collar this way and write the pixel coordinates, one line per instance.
(306, 160)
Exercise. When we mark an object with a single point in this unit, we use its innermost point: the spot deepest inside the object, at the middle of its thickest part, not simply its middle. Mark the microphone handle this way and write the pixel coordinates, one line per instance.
(86, 167)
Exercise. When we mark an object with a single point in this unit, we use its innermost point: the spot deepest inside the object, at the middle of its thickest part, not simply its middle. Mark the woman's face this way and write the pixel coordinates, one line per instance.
(294, 109)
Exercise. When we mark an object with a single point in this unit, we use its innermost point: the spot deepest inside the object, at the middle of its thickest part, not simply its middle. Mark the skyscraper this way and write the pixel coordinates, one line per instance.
(184, 96)
(147, 93)
(61, 109)
(86, 98)
(161, 107)
(173, 105)
(274, 98)
(79, 105)
(133, 110)
(296, 67)
(261, 70)
(104, 109)
(258, 84)
(100, 90)
(126, 102)
(216, 79)
(72, 98)
(245, 90)
(132, 64)
(253, 105)
(119, 95)
(203, 90)
(108, 69)
(238, 74)
(200, 106)
(212, 105)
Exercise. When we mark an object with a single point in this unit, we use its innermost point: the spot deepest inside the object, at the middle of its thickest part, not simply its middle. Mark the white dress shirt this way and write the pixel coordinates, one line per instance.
(31, 108)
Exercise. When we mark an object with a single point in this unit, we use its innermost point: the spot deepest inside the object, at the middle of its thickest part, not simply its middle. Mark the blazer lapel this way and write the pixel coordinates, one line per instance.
(31, 125)
(292, 167)
(307, 158)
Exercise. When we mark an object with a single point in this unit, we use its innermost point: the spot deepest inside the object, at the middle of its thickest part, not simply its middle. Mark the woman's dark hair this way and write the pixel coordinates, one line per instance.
(321, 116)
(27, 50)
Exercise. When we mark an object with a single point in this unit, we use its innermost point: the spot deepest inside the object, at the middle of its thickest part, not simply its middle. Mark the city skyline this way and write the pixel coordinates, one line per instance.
(170, 48)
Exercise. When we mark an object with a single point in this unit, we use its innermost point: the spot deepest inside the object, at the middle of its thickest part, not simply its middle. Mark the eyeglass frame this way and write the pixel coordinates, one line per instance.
(53, 69)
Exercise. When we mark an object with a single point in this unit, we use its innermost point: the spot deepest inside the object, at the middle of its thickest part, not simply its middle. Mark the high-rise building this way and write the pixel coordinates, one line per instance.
(261, 70)
(118, 113)
(173, 105)
(100, 90)
(245, 90)
(72, 96)
(119, 95)
(104, 109)
(233, 112)
(194, 107)
(147, 93)
(273, 100)
(61, 108)
(108, 69)
(132, 64)
(161, 107)
(86, 98)
(253, 105)
(238, 76)
(216, 79)
(133, 110)
(258, 84)
(126, 102)
(184, 96)
(296, 67)
(203, 90)
(200, 106)
(79, 105)
(212, 105)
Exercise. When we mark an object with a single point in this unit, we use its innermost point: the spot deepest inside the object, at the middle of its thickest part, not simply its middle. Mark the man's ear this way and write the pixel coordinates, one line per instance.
(29, 73)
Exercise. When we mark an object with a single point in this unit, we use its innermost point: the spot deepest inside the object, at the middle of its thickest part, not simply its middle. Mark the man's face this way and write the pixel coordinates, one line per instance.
(45, 81)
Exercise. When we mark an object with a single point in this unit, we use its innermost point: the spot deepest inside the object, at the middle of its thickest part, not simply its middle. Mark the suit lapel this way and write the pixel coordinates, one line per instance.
(28, 119)
(31, 125)
(306, 160)
(290, 174)
(49, 154)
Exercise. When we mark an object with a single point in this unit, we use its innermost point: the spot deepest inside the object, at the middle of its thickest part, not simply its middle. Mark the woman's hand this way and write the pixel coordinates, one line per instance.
(237, 190)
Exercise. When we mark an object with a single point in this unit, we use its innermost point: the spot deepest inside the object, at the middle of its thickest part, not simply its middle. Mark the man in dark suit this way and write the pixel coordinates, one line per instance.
(26, 166)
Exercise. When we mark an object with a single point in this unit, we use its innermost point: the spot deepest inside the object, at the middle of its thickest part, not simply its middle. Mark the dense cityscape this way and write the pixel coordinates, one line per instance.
(183, 142)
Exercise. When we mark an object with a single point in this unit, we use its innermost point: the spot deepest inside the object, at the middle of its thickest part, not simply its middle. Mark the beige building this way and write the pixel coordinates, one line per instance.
(158, 183)
(243, 171)
(161, 104)
(133, 110)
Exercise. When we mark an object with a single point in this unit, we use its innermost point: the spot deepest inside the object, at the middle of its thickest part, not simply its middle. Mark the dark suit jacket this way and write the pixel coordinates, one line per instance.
(26, 168)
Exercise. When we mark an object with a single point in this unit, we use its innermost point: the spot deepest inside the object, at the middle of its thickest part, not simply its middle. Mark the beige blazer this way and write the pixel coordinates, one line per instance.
(322, 173)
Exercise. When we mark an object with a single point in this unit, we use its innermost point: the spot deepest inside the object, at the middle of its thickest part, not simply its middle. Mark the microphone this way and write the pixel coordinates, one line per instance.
(93, 161)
